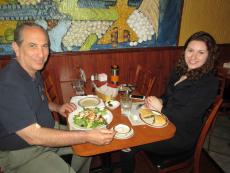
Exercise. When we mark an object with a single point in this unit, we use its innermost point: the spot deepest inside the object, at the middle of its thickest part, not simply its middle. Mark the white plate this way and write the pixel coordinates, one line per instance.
(112, 104)
(89, 102)
(149, 120)
(108, 117)
(124, 136)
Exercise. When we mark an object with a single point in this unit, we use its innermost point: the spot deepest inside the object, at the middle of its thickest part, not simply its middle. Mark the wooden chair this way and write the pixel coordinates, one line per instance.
(52, 96)
(51, 91)
(144, 80)
(222, 75)
(190, 159)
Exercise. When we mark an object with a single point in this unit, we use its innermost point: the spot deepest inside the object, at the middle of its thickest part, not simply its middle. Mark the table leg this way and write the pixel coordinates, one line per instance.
(106, 164)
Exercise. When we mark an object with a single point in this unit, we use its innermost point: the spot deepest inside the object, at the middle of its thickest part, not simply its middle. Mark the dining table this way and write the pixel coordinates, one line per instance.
(143, 134)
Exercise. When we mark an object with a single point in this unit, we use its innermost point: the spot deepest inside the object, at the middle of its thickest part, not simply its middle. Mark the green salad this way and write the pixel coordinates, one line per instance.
(90, 118)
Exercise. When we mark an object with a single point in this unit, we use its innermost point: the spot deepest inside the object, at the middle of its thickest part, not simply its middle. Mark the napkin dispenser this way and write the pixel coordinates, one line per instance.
(106, 92)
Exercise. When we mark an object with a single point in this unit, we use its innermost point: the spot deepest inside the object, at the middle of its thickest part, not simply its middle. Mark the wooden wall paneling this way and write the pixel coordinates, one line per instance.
(102, 63)
(52, 63)
(224, 53)
(4, 61)
(68, 67)
(160, 61)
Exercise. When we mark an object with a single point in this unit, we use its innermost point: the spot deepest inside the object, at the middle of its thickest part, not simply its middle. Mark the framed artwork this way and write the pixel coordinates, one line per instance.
(84, 25)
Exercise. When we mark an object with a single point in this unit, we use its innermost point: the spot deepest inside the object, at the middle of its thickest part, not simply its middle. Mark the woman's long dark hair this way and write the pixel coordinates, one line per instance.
(195, 74)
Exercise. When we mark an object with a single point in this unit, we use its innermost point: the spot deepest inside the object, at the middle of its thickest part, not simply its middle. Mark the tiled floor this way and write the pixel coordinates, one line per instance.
(219, 148)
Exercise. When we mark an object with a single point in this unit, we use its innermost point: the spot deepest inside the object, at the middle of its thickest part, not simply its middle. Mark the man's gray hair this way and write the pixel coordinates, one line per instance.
(18, 38)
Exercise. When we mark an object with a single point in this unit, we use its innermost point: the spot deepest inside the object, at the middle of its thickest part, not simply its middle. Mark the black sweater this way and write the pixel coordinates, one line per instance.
(186, 104)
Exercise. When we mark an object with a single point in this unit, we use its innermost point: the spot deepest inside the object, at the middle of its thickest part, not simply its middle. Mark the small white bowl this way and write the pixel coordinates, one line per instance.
(112, 104)
(122, 129)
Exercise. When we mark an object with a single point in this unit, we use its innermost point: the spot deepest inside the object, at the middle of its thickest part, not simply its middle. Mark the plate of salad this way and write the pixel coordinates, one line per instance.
(89, 118)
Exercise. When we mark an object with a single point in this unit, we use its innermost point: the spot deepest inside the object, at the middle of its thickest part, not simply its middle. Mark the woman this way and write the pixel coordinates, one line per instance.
(191, 90)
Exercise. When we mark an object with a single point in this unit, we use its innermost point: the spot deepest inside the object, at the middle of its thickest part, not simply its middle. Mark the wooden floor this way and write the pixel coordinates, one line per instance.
(207, 165)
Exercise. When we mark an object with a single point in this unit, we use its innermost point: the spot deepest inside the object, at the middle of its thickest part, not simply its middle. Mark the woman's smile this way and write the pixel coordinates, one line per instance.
(196, 54)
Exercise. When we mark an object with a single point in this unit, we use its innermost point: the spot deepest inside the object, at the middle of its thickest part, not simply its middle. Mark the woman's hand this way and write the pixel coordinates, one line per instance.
(153, 102)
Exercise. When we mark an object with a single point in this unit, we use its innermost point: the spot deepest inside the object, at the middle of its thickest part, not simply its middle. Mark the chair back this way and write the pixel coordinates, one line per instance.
(144, 80)
(221, 74)
(204, 132)
(187, 159)
(51, 91)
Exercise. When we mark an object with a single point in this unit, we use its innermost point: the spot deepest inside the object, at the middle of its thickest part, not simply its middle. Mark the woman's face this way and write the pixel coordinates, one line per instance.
(196, 54)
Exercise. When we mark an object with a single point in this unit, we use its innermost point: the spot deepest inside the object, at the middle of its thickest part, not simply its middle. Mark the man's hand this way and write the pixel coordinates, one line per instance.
(66, 108)
(100, 136)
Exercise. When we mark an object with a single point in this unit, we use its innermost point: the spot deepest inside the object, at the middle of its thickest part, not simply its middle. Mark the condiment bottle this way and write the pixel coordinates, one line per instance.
(92, 78)
(115, 74)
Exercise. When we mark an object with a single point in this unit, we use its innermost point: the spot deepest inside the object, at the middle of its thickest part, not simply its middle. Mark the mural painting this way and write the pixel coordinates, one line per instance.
(84, 25)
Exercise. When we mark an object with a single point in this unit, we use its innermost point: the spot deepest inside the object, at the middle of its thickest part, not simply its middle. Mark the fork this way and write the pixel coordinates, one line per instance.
(139, 105)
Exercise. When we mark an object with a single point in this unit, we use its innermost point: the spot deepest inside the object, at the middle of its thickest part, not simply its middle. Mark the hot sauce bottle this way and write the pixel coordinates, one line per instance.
(115, 74)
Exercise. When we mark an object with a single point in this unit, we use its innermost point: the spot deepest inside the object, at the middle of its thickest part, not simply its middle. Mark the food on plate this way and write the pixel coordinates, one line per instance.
(145, 112)
(89, 102)
(153, 118)
(112, 104)
(90, 118)
(122, 128)
(159, 120)
(126, 87)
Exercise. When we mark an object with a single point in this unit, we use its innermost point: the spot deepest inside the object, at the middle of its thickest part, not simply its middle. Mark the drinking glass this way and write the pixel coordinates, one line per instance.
(126, 104)
(78, 85)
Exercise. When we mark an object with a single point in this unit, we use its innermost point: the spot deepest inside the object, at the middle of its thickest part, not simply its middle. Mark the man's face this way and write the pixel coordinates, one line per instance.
(33, 51)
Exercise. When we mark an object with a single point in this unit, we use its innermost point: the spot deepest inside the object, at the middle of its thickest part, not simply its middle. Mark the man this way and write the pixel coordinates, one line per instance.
(28, 140)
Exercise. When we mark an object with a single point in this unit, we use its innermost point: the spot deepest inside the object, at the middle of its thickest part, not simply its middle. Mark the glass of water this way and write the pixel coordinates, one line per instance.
(79, 85)
(126, 104)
